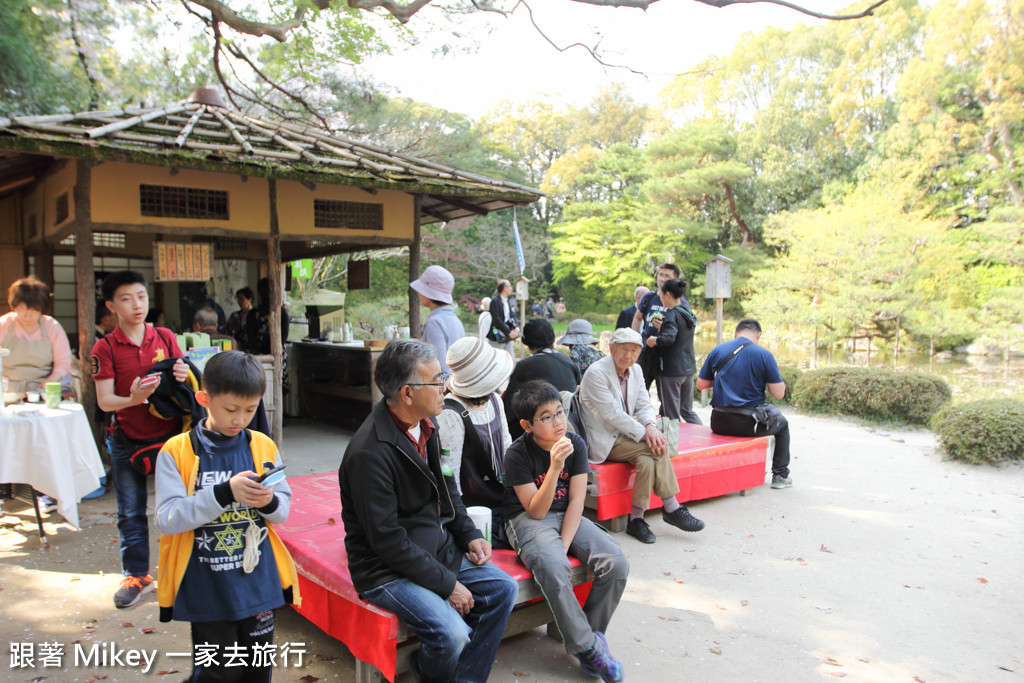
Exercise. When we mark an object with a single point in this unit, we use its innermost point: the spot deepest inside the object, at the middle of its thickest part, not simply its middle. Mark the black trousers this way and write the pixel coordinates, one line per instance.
(734, 424)
(223, 637)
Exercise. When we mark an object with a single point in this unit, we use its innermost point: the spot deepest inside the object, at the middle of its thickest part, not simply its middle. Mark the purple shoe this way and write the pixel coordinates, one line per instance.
(598, 661)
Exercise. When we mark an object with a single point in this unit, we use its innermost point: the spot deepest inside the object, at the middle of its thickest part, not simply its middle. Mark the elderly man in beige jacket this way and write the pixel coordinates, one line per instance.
(621, 427)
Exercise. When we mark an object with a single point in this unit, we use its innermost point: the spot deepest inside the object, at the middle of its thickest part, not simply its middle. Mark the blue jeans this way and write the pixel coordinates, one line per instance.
(453, 648)
(132, 522)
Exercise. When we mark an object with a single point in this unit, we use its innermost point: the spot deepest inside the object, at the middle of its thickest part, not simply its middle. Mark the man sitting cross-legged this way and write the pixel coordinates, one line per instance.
(621, 427)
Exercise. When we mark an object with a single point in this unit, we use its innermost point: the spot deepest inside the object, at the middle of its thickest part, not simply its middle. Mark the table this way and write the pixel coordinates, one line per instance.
(51, 450)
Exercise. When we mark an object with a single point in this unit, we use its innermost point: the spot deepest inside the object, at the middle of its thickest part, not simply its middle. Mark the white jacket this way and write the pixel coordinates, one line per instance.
(603, 413)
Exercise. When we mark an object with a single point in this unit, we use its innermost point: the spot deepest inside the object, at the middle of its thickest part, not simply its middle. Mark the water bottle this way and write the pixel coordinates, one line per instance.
(446, 462)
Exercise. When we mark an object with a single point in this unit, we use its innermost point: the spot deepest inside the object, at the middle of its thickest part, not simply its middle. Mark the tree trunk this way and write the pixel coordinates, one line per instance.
(747, 241)
(414, 271)
(276, 345)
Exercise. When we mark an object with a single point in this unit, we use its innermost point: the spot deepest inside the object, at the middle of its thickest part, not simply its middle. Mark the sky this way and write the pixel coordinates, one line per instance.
(513, 61)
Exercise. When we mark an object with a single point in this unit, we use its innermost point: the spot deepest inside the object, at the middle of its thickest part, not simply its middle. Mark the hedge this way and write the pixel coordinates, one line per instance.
(872, 393)
(982, 432)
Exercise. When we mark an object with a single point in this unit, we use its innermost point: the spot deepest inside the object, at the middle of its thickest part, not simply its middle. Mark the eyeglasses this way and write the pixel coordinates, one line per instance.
(425, 384)
(549, 419)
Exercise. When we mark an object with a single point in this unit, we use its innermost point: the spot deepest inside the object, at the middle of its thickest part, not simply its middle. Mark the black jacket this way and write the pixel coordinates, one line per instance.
(500, 327)
(675, 343)
(626, 317)
(549, 365)
(402, 519)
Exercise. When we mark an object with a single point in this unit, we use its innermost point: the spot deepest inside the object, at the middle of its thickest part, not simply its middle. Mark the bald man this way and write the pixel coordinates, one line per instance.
(627, 314)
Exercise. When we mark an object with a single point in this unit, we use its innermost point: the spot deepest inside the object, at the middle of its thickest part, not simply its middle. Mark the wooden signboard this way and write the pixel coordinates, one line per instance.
(179, 262)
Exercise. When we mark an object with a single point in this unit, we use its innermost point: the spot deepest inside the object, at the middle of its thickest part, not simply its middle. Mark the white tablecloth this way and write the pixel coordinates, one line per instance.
(52, 450)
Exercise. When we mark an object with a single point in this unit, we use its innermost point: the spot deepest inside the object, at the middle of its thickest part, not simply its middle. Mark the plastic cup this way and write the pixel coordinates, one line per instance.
(53, 390)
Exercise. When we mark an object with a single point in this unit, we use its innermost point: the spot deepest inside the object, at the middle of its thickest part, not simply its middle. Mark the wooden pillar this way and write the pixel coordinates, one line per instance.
(414, 270)
(44, 262)
(84, 278)
(276, 345)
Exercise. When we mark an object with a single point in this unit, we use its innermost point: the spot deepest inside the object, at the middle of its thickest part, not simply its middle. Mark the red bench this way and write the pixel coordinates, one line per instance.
(707, 465)
(315, 537)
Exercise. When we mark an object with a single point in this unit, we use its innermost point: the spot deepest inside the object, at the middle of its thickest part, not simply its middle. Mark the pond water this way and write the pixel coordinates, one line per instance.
(969, 377)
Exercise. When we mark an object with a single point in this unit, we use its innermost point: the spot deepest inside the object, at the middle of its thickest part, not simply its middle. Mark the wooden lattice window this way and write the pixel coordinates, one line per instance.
(108, 240)
(61, 209)
(166, 201)
(331, 213)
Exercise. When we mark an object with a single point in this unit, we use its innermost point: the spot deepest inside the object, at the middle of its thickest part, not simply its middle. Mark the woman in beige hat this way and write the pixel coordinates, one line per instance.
(580, 339)
(473, 426)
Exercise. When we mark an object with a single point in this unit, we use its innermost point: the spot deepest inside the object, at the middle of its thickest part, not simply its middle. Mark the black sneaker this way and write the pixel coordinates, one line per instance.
(132, 589)
(682, 519)
(638, 529)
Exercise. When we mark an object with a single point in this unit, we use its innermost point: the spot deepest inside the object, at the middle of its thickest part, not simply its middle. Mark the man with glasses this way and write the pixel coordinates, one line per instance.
(621, 427)
(412, 549)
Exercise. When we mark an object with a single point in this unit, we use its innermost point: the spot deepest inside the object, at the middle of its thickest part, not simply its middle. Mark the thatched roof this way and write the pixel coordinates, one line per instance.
(207, 136)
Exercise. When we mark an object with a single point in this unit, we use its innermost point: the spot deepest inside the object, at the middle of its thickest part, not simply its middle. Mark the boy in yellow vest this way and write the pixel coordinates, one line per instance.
(222, 566)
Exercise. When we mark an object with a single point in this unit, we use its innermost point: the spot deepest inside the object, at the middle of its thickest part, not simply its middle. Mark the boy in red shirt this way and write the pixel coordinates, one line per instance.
(119, 363)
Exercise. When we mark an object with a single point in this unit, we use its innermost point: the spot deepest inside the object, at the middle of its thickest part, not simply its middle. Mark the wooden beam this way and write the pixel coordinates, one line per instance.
(414, 269)
(467, 206)
(84, 278)
(276, 345)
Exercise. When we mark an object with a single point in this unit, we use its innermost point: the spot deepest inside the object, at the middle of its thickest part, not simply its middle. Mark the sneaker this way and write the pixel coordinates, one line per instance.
(132, 589)
(781, 482)
(682, 519)
(47, 504)
(639, 529)
(598, 661)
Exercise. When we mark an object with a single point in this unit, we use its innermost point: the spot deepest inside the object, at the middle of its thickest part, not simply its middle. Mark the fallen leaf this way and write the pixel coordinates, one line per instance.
(520, 674)
(918, 679)
(830, 662)
(981, 580)
(838, 674)
(331, 520)
(678, 580)
(715, 650)
(92, 621)
(149, 630)
(100, 677)
(750, 535)
(824, 549)
(719, 606)
(76, 578)
(309, 678)
(744, 603)
(1003, 667)
(666, 573)
(167, 671)
(862, 659)
(127, 624)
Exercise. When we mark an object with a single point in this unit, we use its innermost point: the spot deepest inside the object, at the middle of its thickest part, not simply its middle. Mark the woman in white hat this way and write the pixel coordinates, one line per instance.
(579, 337)
(443, 326)
(473, 427)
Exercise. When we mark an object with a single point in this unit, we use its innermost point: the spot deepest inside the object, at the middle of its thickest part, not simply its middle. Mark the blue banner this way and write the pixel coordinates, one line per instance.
(519, 243)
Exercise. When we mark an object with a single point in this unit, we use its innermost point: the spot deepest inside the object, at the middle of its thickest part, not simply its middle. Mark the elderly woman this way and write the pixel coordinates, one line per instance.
(39, 348)
(472, 424)
(579, 337)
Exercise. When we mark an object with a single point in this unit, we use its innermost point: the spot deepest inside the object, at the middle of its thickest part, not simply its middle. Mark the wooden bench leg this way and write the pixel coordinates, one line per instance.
(367, 673)
(616, 524)
(744, 492)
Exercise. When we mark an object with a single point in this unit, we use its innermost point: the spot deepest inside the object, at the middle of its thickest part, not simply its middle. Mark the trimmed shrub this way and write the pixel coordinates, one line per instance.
(872, 393)
(982, 432)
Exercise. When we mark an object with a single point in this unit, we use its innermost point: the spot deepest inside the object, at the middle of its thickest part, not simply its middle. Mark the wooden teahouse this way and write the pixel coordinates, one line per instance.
(95, 191)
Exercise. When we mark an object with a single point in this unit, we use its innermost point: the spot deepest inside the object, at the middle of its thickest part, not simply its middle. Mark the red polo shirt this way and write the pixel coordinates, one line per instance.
(115, 356)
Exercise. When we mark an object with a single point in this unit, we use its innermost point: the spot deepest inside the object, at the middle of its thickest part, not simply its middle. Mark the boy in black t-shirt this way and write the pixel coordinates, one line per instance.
(545, 484)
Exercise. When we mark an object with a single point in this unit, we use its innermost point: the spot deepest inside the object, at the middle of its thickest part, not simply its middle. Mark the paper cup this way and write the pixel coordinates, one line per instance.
(32, 396)
(481, 517)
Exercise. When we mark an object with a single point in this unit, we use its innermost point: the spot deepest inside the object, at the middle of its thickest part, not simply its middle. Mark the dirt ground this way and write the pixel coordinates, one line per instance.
(882, 563)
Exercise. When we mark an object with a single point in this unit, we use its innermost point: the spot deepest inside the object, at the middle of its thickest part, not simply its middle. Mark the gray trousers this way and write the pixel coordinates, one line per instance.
(676, 395)
(539, 544)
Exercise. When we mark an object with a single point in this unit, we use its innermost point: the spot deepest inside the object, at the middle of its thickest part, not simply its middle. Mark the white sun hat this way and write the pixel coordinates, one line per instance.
(478, 369)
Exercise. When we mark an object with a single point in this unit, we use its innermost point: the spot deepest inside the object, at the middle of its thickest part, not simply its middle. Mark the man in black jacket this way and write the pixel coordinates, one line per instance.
(412, 549)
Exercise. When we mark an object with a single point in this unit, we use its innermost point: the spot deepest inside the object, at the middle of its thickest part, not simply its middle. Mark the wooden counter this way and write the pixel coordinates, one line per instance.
(335, 381)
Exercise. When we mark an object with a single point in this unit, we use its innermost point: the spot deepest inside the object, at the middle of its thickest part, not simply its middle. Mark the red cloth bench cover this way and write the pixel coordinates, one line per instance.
(314, 535)
(707, 465)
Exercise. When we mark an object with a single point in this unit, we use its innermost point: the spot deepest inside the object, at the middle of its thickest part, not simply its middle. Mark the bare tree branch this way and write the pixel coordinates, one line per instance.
(278, 32)
(401, 12)
(870, 11)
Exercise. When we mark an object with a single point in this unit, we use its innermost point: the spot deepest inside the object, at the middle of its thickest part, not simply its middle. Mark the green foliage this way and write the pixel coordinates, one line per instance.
(791, 377)
(982, 432)
(368, 318)
(872, 393)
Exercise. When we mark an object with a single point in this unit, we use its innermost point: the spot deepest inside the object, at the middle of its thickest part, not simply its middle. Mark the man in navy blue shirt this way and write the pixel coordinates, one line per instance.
(739, 371)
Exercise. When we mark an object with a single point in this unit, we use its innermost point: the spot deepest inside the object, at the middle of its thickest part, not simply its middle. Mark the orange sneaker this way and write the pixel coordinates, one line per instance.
(132, 589)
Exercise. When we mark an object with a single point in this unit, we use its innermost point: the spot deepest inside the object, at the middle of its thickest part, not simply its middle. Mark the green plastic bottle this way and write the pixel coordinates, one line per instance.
(446, 462)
